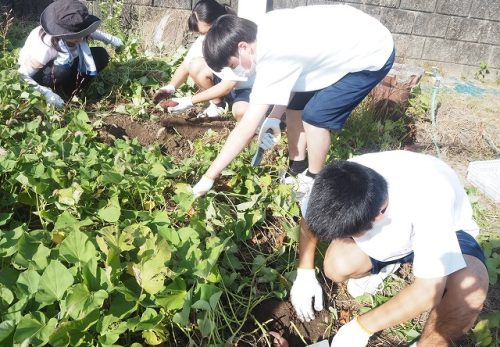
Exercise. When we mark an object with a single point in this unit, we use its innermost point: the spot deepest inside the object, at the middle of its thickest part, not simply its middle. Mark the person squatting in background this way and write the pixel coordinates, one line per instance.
(217, 88)
(56, 58)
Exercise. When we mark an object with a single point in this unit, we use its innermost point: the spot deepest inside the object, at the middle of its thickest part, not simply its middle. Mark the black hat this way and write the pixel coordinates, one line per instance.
(68, 19)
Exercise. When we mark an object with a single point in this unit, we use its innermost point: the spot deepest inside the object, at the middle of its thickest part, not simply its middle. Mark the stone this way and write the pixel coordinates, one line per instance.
(454, 7)
(430, 24)
(467, 29)
(408, 46)
(458, 52)
(485, 9)
(173, 4)
(277, 4)
(418, 5)
(398, 21)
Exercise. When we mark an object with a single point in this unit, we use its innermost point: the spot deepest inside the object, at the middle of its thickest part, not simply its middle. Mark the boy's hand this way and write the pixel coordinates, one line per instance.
(267, 125)
(164, 92)
(203, 186)
(305, 288)
(351, 334)
(182, 104)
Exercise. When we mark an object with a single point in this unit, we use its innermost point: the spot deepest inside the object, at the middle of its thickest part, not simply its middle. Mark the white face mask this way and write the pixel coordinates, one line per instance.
(240, 71)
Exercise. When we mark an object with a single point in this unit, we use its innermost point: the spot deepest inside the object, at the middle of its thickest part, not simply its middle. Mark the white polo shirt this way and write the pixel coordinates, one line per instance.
(427, 205)
(226, 74)
(309, 48)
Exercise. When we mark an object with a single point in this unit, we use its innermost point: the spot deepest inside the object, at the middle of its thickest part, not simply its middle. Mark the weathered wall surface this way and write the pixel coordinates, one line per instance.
(455, 35)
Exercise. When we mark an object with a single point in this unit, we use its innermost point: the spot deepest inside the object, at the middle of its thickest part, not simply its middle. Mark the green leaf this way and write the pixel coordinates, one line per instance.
(111, 212)
(81, 302)
(157, 170)
(58, 134)
(201, 305)
(6, 329)
(77, 247)
(4, 218)
(34, 329)
(28, 282)
(73, 333)
(55, 281)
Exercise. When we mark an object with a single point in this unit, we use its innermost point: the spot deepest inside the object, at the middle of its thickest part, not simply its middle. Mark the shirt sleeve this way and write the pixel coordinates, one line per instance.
(435, 245)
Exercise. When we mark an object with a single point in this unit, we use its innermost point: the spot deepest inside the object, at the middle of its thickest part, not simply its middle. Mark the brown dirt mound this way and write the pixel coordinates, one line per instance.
(174, 134)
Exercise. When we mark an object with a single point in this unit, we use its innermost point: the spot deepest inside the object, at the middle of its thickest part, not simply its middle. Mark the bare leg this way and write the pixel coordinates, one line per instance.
(344, 260)
(455, 315)
(318, 145)
(239, 109)
(202, 75)
(296, 135)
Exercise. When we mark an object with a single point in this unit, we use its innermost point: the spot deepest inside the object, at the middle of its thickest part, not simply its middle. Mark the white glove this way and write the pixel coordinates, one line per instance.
(182, 104)
(51, 97)
(213, 111)
(269, 123)
(116, 41)
(352, 335)
(304, 289)
(268, 141)
(164, 93)
(203, 186)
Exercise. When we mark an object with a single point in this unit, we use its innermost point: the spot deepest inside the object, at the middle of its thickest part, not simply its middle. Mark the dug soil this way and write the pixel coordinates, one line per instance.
(174, 134)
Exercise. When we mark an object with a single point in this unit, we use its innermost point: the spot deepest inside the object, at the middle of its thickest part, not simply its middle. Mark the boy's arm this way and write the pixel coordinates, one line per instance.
(307, 247)
(238, 139)
(422, 295)
(219, 90)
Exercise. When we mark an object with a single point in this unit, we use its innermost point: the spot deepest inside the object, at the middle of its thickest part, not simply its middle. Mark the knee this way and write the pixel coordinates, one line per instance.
(238, 110)
(337, 268)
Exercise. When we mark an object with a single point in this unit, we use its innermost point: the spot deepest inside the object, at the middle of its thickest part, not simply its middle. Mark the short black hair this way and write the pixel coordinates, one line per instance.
(207, 11)
(221, 41)
(345, 199)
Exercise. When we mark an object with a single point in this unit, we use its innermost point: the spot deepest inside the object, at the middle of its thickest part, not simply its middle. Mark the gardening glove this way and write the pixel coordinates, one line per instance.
(164, 93)
(351, 334)
(51, 97)
(265, 139)
(268, 141)
(304, 289)
(203, 186)
(182, 104)
(116, 42)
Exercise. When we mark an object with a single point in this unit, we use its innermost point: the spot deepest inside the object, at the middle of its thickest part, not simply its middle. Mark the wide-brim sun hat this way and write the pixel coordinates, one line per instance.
(68, 19)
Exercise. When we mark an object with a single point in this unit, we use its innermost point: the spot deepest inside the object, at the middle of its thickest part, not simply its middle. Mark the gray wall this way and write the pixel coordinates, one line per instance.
(455, 35)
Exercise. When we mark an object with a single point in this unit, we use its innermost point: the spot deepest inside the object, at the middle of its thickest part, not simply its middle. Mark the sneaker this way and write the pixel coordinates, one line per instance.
(370, 284)
(214, 110)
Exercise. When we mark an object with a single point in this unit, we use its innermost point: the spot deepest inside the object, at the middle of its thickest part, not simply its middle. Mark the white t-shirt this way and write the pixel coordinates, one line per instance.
(427, 205)
(309, 48)
(41, 51)
(226, 74)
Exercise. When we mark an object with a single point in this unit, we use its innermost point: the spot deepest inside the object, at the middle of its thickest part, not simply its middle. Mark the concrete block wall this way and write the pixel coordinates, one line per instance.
(455, 35)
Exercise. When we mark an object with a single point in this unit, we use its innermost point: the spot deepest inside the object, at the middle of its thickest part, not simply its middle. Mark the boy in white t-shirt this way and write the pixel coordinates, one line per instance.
(382, 209)
(317, 62)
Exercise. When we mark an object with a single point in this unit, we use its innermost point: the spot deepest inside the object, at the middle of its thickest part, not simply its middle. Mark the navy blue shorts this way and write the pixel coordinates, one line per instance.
(468, 245)
(235, 95)
(329, 108)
